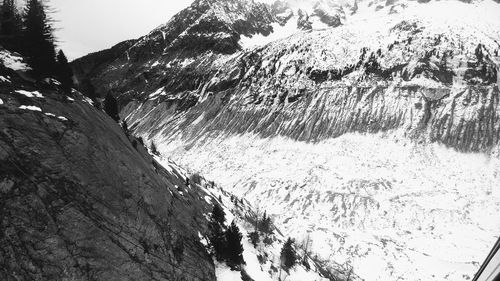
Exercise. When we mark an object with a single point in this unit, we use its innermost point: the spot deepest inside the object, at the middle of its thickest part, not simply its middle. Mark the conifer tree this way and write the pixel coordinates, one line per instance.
(88, 89)
(64, 72)
(234, 248)
(10, 26)
(111, 107)
(254, 238)
(38, 41)
(288, 256)
(154, 150)
(217, 236)
(265, 224)
(125, 128)
(218, 215)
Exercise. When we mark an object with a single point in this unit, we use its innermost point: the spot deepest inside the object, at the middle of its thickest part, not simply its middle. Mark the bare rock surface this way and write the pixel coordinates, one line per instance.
(79, 202)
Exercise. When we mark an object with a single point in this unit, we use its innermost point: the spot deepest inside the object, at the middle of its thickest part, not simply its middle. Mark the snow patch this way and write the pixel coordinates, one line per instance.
(157, 93)
(203, 240)
(4, 79)
(34, 94)
(30, 107)
(88, 100)
(224, 273)
(12, 61)
(280, 32)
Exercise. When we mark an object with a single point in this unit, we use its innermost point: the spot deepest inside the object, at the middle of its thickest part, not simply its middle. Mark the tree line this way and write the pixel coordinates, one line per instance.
(29, 32)
(226, 241)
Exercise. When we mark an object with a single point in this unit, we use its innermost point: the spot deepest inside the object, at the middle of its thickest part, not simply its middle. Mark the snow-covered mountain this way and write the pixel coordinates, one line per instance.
(371, 125)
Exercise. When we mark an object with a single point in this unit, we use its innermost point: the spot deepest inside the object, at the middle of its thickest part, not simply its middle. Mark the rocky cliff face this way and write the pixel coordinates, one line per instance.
(359, 131)
(79, 202)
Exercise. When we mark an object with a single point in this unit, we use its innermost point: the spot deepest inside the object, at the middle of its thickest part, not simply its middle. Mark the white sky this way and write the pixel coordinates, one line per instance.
(86, 26)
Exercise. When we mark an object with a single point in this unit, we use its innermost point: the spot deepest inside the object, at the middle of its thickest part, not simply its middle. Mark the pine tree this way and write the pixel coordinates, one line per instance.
(217, 240)
(125, 128)
(217, 236)
(254, 238)
(265, 224)
(262, 222)
(218, 215)
(88, 89)
(64, 72)
(38, 41)
(111, 107)
(154, 150)
(288, 256)
(10, 26)
(234, 248)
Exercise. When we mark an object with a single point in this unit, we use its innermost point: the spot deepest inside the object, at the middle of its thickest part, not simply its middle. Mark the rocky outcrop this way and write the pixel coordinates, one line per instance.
(466, 120)
(79, 202)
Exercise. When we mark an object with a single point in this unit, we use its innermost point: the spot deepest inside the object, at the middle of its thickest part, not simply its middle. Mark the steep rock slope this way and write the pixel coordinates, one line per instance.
(78, 202)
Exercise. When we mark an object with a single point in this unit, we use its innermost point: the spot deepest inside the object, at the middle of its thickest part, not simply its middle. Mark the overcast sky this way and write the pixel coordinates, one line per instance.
(86, 26)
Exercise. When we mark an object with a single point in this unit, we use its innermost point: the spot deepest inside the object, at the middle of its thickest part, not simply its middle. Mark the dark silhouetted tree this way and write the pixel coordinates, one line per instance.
(254, 238)
(154, 150)
(64, 73)
(10, 26)
(111, 107)
(265, 224)
(288, 256)
(218, 215)
(125, 128)
(234, 248)
(38, 40)
(217, 236)
(217, 240)
(88, 89)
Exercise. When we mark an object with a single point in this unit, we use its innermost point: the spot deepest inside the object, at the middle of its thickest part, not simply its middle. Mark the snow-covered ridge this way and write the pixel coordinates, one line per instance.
(372, 14)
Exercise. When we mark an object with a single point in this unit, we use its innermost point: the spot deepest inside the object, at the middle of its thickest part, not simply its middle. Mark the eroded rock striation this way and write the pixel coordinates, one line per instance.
(79, 202)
